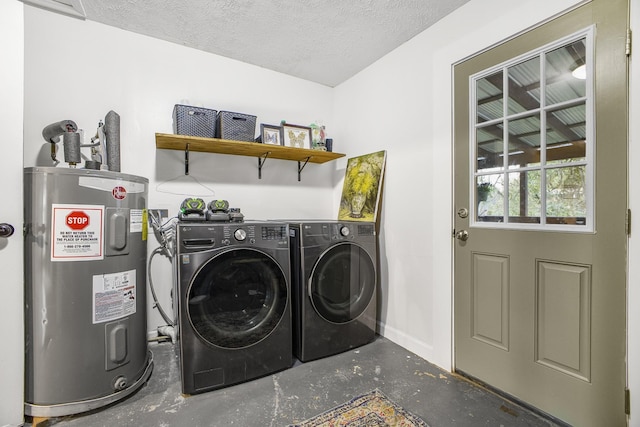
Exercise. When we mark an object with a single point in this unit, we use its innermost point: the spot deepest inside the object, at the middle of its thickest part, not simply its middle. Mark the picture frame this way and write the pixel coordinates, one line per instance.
(296, 136)
(270, 134)
(362, 188)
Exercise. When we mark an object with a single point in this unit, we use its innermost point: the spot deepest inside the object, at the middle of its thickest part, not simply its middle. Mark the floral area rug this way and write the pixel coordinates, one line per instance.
(373, 409)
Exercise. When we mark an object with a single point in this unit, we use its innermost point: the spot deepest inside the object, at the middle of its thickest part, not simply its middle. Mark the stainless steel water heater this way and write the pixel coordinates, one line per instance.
(85, 289)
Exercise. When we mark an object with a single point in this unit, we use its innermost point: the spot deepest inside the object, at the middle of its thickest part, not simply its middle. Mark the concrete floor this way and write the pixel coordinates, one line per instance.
(307, 389)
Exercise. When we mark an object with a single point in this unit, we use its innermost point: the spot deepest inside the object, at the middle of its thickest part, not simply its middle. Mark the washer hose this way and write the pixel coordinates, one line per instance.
(156, 303)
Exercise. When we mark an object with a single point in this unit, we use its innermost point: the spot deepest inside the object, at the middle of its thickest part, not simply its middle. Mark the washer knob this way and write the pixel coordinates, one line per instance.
(344, 230)
(240, 234)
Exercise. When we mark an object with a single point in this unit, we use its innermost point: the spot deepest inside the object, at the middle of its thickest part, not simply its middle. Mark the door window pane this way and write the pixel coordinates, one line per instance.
(524, 141)
(490, 147)
(566, 195)
(524, 197)
(548, 155)
(489, 194)
(563, 82)
(524, 86)
(566, 134)
(489, 95)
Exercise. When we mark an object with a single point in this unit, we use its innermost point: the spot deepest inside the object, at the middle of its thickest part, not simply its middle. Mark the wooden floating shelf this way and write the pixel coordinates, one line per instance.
(241, 148)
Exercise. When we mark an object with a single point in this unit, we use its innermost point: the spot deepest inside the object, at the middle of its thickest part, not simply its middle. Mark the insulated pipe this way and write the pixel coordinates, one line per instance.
(52, 132)
(71, 144)
(112, 132)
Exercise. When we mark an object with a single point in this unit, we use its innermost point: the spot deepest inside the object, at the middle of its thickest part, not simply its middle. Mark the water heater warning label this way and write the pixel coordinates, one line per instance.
(114, 296)
(77, 232)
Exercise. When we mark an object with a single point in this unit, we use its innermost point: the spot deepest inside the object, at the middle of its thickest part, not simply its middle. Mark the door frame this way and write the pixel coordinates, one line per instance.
(12, 248)
(633, 256)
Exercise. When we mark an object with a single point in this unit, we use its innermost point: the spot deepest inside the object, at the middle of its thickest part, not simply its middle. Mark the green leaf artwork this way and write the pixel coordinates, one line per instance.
(362, 185)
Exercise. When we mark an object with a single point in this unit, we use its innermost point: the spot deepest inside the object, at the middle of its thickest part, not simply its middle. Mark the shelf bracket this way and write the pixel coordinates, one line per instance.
(261, 160)
(301, 168)
(186, 159)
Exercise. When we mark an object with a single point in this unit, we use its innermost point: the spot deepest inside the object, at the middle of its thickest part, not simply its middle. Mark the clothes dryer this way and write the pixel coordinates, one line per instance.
(234, 309)
(333, 286)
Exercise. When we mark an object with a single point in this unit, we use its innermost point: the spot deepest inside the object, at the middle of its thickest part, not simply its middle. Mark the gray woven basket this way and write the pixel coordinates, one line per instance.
(194, 121)
(236, 126)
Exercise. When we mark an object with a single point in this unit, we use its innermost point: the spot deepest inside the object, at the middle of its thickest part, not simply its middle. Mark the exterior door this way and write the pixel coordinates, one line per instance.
(540, 215)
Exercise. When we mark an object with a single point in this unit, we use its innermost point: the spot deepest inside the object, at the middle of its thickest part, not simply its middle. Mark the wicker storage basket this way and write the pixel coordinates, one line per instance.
(194, 121)
(236, 126)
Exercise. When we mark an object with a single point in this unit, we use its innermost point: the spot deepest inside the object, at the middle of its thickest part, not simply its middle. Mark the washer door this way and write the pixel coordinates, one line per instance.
(342, 283)
(237, 298)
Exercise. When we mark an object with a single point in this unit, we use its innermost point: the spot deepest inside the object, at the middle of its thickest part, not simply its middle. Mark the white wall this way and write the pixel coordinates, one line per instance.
(80, 70)
(11, 249)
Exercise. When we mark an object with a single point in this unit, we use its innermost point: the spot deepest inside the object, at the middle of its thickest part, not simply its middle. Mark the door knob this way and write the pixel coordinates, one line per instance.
(6, 230)
(462, 235)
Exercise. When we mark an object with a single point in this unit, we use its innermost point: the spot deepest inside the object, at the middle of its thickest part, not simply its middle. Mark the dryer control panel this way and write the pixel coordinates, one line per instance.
(316, 232)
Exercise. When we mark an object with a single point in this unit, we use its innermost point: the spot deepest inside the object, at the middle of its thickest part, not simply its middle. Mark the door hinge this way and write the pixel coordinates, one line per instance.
(627, 46)
(627, 401)
(627, 222)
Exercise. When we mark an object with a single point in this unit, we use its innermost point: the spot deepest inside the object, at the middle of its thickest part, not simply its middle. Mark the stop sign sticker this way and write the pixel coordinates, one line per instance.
(77, 220)
(77, 232)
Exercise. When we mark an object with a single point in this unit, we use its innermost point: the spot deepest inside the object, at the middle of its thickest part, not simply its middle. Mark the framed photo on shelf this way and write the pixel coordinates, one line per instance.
(296, 136)
(270, 134)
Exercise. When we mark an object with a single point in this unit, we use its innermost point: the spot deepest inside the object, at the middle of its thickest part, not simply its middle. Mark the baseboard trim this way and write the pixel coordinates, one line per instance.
(418, 347)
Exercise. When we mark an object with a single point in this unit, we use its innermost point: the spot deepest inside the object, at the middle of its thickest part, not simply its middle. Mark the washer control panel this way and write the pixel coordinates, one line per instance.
(195, 237)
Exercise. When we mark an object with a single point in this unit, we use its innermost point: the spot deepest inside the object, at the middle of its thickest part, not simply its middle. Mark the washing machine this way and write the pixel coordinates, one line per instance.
(333, 285)
(234, 304)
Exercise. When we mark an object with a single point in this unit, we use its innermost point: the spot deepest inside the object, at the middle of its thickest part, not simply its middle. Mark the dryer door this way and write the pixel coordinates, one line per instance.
(237, 298)
(343, 281)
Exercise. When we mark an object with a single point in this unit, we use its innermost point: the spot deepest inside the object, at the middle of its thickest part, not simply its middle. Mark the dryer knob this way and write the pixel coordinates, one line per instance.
(344, 230)
(240, 234)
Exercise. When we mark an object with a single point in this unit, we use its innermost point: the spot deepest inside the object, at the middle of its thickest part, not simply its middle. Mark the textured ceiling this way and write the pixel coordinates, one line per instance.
(324, 41)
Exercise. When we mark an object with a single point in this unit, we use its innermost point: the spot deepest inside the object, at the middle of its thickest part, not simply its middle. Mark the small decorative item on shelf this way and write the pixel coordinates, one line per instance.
(328, 143)
(318, 136)
(296, 136)
(269, 134)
